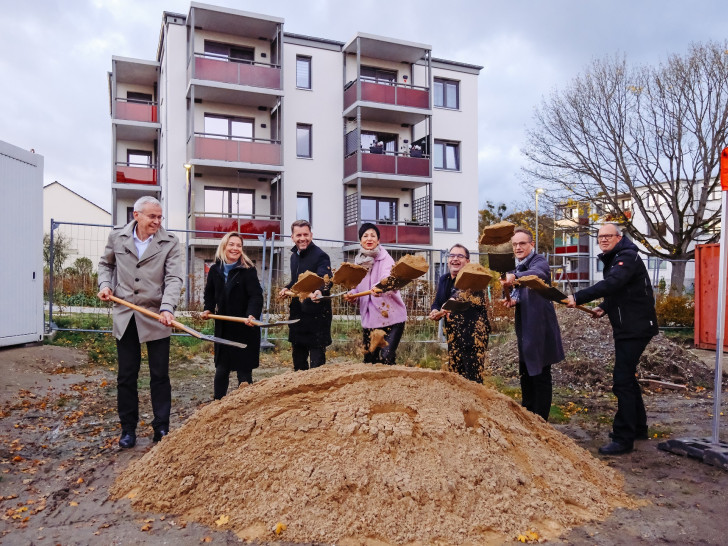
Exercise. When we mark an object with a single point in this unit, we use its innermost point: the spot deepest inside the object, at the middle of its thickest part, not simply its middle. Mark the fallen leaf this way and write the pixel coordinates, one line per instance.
(73, 503)
(80, 480)
(146, 527)
(222, 520)
(206, 539)
(280, 527)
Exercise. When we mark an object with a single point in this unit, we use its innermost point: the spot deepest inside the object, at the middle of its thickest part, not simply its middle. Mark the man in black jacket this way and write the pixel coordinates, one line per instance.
(630, 305)
(311, 335)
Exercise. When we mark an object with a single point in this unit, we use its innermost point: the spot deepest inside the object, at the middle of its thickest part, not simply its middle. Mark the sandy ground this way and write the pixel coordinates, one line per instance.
(59, 455)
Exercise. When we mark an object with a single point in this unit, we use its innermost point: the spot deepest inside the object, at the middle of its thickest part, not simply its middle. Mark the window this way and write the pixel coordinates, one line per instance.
(657, 229)
(303, 206)
(303, 72)
(138, 158)
(303, 140)
(129, 214)
(369, 139)
(715, 193)
(377, 209)
(447, 217)
(447, 93)
(447, 155)
(135, 96)
(228, 201)
(378, 75)
(653, 262)
(229, 52)
(626, 204)
(228, 127)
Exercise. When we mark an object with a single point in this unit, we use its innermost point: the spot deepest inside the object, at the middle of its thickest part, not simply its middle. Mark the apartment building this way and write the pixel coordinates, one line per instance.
(239, 125)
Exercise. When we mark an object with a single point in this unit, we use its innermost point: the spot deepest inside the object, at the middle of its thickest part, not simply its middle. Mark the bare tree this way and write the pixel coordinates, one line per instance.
(649, 134)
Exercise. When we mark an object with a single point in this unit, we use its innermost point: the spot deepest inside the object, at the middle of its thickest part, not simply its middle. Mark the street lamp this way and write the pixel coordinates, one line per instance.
(538, 190)
(187, 167)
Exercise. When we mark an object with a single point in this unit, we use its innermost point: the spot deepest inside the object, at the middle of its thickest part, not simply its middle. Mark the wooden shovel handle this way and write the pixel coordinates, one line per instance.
(581, 308)
(229, 318)
(366, 293)
(153, 315)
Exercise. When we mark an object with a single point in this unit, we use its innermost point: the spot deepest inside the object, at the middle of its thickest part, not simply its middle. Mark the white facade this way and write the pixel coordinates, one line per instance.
(239, 126)
(21, 245)
(66, 207)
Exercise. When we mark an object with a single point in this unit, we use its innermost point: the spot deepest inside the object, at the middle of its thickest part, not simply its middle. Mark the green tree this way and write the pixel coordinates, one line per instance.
(84, 266)
(61, 247)
(639, 138)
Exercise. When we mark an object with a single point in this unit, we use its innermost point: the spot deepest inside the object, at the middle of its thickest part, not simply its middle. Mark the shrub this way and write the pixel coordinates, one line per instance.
(675, 310)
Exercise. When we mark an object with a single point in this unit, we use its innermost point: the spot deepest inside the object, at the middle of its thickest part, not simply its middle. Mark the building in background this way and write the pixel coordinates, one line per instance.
(238, 125)
(67, 208)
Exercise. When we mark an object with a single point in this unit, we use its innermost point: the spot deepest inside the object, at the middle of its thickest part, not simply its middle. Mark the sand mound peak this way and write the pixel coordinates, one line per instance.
(359, 452)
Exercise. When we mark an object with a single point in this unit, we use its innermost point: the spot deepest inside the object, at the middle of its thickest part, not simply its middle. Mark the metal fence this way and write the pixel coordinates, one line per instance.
(71, 286)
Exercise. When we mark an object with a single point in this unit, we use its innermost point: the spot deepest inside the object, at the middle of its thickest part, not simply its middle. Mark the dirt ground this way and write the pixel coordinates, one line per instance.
(59, 455)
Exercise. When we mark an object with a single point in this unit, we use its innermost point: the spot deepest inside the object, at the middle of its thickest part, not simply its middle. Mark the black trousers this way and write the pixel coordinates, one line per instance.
(536, 390)
(388, 354)
(301, 353)
(631, 417)
(129, 353)
(222, 380)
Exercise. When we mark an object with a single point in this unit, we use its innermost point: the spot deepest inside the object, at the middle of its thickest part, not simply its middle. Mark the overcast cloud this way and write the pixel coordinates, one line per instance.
(56, 54)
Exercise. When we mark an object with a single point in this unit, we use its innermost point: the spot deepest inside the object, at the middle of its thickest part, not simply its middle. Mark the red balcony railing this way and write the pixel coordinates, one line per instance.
(571, 249)
(396, 94)
(129, 174)
(227, 70)
(136, 110)
(395, 234)
(388, 163)
(214, 227)
(259, 151)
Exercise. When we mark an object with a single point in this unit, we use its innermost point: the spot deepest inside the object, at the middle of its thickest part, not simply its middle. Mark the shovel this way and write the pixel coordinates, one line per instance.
(179, 325)
(550, 292)
(455, 306)
(257, 323)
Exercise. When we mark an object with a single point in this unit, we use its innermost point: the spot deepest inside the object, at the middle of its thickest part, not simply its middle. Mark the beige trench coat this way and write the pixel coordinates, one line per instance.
(154, 282)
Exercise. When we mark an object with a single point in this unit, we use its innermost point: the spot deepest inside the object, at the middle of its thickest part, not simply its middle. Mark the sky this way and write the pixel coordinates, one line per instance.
(54, 95)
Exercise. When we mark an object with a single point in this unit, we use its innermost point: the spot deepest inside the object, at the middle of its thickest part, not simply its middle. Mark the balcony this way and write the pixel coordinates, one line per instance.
(394, 94)
(131, 173)
(236, 150)
(133, 110)
(395, 233)
(221, 69)
(387, 163)
(214, 226)
(571, 249)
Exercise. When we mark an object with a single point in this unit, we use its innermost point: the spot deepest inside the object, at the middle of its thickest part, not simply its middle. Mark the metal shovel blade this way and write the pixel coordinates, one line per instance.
(455, 306)
(222, 341)
(276, 323)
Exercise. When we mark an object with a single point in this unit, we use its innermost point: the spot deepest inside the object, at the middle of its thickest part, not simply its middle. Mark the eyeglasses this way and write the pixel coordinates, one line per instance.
(458, 256)
(606, 237)
(525, 243)
(153, 217)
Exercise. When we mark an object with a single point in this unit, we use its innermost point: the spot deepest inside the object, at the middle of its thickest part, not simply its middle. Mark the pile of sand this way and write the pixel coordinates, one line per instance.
(349, 453)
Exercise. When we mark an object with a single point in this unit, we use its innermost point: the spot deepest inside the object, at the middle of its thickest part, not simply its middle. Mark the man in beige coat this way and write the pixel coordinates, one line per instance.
(142, 264)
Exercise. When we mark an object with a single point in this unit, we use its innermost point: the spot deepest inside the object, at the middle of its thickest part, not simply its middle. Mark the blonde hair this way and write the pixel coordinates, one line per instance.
(220, 252)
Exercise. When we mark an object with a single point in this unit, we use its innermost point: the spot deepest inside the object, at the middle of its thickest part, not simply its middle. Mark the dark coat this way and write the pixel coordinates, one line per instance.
(628, 298)
(314, 326)
(240, 296)
(537, 330)
(467, 332)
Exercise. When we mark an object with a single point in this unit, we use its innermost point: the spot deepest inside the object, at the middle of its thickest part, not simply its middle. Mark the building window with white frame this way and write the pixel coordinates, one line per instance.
(447, 216)
(653, 262)
(303, 207)
(303, 72)
(303, 140)
(379, 210)
(139, 158)
(447, 93)
(229, 127)
(447, 155)
(229, 202)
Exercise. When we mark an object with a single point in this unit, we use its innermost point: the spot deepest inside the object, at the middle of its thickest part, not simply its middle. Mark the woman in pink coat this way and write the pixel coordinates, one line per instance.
(382, 311)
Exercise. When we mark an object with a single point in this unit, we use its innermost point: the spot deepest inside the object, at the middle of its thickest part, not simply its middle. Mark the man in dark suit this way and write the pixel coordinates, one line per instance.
(630, 304)
(311, 335)
(537, 330)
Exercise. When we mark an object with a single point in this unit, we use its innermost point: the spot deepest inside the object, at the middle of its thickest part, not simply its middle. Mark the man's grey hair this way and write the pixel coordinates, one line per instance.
(616, 228)
(146, 200)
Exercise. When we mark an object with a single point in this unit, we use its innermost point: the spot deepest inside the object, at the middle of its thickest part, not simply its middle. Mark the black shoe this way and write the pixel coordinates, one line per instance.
(641, 435)
(615, 448)
(127, 440)
(160, 433)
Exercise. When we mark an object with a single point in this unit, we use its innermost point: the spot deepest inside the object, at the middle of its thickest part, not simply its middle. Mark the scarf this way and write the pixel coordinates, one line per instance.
(516, 291)
(365, 258)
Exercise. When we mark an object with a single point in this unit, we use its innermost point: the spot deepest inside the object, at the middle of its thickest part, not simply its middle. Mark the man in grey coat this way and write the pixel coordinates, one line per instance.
(142, 264)
(537, 330)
